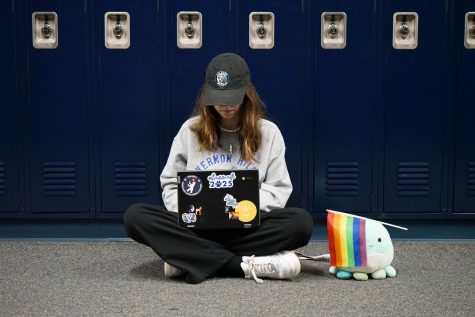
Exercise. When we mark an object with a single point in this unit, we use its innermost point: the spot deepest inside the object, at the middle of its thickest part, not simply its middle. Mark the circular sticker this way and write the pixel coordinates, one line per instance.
(246, 210)
(191, 185)
(222, 78)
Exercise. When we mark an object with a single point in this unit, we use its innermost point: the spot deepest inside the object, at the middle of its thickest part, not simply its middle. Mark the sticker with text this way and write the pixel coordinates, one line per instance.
(222, 180)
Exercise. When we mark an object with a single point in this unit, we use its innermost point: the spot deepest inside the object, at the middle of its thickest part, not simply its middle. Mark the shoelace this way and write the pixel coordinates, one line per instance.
(256, 268)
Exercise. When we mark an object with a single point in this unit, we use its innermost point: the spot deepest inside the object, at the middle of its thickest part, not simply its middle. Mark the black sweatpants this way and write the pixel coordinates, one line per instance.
(202, 253)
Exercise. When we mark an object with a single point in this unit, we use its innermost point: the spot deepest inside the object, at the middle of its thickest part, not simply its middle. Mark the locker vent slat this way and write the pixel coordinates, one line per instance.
(342, 179)
(471, 179)
(59, 178)
(130, 178)
(2, 178)
(413, 179)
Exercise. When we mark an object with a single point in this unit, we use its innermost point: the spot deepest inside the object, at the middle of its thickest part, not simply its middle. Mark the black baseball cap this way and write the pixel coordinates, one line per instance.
(226, 77)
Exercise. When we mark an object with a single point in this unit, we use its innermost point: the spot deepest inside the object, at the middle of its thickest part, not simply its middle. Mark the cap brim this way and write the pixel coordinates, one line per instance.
(224, 97)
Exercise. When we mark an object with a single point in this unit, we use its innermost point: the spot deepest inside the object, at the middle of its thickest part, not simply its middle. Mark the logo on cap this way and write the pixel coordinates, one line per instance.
(222, 78)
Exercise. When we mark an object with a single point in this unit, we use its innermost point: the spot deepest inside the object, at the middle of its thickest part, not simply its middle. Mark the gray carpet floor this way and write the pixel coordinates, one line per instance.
(435, 278)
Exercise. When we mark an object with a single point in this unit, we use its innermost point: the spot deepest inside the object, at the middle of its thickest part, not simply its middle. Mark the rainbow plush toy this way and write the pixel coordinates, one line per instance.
(359, 247)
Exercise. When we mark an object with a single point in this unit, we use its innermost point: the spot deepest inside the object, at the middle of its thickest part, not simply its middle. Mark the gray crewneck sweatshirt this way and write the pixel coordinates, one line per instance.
(274, 180)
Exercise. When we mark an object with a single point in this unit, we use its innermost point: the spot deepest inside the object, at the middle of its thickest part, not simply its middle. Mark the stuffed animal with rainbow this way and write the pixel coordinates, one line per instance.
(359, 247)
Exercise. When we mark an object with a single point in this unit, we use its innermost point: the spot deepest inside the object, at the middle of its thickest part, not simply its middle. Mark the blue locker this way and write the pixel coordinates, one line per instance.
(344, 118)
(9, 114)
(186, 66)
(85, 129)
(279, 76)
(128, 114)
(416, 110)
(58, 134)
(464, 191)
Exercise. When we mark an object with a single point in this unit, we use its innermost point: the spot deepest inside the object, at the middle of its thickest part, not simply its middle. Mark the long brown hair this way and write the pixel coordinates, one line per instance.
(207, 128)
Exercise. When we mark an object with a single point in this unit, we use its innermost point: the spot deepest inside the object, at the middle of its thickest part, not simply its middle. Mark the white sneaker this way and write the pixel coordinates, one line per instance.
(171, 271)
(282, 265)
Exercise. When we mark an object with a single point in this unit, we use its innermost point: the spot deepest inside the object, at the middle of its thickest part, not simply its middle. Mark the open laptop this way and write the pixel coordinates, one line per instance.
(220, 199)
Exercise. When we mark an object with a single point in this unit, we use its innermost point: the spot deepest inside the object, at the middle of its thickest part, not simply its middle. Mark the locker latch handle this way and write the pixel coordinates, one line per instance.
(190, 29)
(118, 30)
(46, 30)
(261, 30)
(332, 28)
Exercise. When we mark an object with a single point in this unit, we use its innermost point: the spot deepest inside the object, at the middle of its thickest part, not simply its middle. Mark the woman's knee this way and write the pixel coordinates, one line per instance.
(298, 224)
(302, 222)
(134, 215)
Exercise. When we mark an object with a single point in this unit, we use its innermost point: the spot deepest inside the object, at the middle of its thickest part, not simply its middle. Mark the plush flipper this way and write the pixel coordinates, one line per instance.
(390, 271)
(344, 275)
(360, 276)
(379, 274)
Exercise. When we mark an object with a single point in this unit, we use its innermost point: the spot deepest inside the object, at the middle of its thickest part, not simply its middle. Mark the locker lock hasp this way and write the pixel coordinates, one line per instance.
(333, 30)
(405, 30)
(469, 33)
(44, 30)
(189, 29)
(117, 30)
(261, 30)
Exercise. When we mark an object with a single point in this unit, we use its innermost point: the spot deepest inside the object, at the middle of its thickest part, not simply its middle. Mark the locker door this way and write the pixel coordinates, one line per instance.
(128, 113)
(188, 65)
(278, 74)
(9, 137)
(417, 99)
(58, 134)
(464, 193)
(345, 114)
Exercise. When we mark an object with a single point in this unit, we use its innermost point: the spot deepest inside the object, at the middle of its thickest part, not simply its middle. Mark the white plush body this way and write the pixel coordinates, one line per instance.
(379, 251)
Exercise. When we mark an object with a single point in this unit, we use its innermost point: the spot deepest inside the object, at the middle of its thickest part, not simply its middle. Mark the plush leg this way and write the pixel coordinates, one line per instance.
(390, 271)
(360, 276)
(379, 274)
(344, 275)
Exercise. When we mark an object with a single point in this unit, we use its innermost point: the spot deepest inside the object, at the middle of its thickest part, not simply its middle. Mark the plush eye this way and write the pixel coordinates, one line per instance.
(379, 239)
